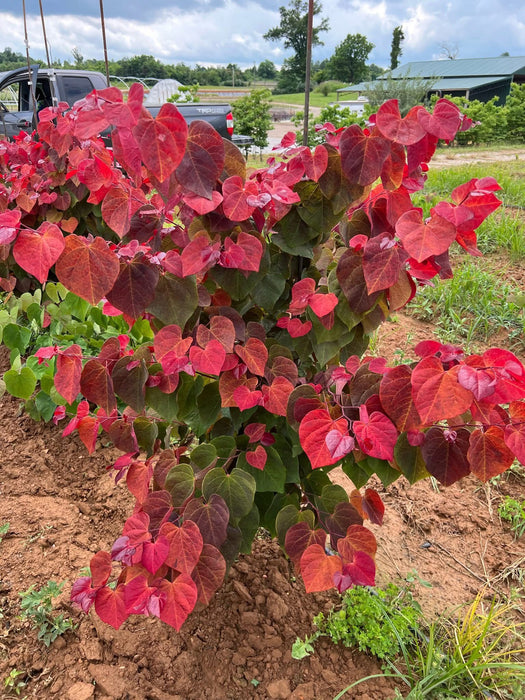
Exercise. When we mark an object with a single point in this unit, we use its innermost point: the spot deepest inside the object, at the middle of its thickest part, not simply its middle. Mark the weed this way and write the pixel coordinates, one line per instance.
(513, 511)
(4, 529)
(38, 535)
(302, 648)
(373, 619)
(13, 683)
(504, 232)
(471, 657)
(470, 306)
(37, 607)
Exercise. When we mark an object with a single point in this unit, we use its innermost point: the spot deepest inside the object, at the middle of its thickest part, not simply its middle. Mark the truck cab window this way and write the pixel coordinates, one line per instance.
(43, 95)
(73, 88)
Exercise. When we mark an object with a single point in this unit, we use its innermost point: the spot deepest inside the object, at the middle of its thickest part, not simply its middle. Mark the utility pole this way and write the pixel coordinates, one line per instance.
(44, 33)
(104, 40)
(308, 67)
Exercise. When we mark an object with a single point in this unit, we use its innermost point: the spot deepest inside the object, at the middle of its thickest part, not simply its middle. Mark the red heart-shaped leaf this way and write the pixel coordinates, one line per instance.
(488, 454)
(110, 606)
(318, 569)
(210, 359)
(185, 545)
(313, 430)
(422, 239)
(162, 140)
(179, 598)
(89, 270)
(37, 251)
(257, 458)
(407, 130)
(437, 393)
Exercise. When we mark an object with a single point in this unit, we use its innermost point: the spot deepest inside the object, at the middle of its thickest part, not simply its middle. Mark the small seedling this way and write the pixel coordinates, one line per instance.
(37, 607)
(4, 529)
(12, 682)
(513, 511)
(303, 648)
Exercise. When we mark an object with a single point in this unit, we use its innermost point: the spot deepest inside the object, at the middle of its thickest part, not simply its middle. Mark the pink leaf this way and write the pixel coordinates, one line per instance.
(179, 598)
(154, 554)
(199, 255)
(110, 606)
(9, 225)
(339, 445)
(322, 304)
(246, 399)
(405, 130)
(236, 193)
(210, 360)
(360, 572)
(313, 430)
(444, 122)
(422, 239)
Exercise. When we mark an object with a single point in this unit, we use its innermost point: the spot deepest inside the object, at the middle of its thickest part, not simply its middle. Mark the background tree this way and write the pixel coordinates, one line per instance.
(447, 50)
(9, 59)
(293, 30)
(348, 62)
(515, 113)
(267, 70)
(77, 57)
(374, 71)
(396, 50)
(142, 66)
(252, 116)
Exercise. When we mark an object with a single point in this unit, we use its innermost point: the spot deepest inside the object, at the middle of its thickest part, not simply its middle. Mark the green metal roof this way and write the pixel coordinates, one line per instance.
(504, 66)
(459, 74)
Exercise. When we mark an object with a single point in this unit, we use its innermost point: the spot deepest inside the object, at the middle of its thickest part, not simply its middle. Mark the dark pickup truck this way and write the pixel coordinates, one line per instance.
(50, 86)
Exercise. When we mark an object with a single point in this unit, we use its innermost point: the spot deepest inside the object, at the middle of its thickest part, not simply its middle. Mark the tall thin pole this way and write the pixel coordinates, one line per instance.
(44, 32)
(30, 81)
(308, 67)
(103, 24)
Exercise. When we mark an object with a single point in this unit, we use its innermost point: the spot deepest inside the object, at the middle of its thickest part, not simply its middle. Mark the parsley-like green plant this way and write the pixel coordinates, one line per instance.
(513, 512)
(375, 620)
(37, 607)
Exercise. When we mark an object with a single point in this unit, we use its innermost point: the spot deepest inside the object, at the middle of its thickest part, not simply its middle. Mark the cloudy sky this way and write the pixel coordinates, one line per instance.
(231, 31)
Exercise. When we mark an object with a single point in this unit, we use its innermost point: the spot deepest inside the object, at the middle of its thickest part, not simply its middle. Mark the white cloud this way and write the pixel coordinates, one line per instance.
(232, 31)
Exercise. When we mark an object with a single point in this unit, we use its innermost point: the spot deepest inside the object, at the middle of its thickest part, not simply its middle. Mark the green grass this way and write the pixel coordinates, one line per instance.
(37, 607)
(316, 99)
(503, 231)
(509, 174)
(483, 297)
(472, 306)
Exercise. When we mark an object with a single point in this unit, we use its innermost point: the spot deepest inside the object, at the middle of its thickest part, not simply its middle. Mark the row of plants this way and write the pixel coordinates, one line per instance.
(493, 123)
(213, 324)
